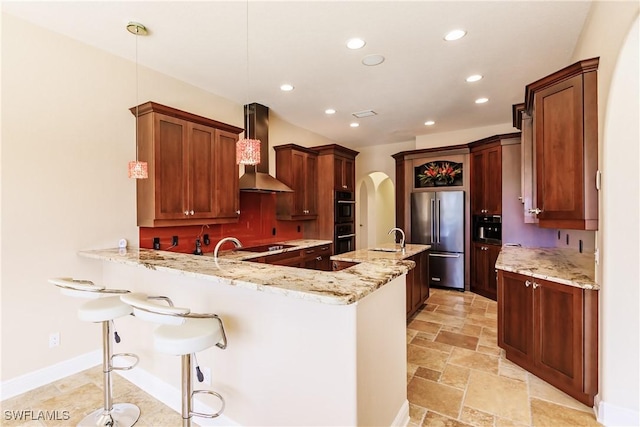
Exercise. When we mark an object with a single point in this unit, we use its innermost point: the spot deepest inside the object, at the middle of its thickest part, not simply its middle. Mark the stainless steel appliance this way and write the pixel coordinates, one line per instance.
(487, 229)
(437, 219)
(345, 238)
(345, 207)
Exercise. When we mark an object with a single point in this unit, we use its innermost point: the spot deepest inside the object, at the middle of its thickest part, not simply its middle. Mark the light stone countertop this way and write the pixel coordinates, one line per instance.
(329, 287)
(560, 265)
(369, 255)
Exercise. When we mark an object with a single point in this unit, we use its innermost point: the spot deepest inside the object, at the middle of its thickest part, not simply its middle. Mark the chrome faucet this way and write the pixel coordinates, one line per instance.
(402, 244)
(235, 241)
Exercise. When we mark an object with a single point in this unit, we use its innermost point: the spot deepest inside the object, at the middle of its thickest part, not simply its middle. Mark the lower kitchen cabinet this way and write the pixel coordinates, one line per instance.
(551, 330)
(483, 271)
(314, 258)
(417, 283)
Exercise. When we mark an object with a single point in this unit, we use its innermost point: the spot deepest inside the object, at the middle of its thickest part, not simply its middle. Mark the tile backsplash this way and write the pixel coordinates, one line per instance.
(257, 225)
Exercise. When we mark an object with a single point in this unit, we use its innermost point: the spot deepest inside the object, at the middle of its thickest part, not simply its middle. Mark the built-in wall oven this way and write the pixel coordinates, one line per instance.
(345, 209)
(344, 238)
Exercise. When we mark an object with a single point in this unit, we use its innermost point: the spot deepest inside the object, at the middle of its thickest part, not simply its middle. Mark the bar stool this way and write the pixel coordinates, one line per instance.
(181, 333)
(105, 305)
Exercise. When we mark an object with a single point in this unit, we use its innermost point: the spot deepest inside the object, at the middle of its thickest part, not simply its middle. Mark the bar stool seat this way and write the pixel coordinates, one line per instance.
(192, 336)
(103, 307)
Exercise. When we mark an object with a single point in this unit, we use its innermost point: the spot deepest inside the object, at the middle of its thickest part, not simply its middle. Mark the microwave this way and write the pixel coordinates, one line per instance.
(345, 207)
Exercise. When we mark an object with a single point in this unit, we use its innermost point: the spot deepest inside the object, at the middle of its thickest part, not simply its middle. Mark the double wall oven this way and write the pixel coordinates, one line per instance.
(344, 239)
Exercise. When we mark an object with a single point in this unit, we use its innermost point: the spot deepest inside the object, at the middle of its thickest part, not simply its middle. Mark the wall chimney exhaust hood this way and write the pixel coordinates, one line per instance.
(256, 178)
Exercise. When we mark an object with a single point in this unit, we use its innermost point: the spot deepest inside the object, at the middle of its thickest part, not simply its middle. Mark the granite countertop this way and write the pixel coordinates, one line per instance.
(241, 255)
(369, 255)
(560, 265)
(330, 287)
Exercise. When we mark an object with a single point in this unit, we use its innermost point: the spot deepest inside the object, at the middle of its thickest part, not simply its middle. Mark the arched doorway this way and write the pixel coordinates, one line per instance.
(375, 214)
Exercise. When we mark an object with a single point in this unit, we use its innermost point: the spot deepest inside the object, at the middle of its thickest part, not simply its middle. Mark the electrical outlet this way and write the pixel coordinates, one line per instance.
(206, 240)
(156, 243)
(206, 372)
(54, 339)
(174, 241)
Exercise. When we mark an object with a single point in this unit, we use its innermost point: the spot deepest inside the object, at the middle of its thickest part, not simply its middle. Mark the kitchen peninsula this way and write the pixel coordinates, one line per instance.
(306, 347)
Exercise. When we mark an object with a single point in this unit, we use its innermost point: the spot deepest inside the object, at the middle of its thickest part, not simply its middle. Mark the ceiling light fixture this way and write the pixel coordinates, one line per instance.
(429, 123)
(286, 87)
(247, 149)
(365, 113)
(329, 111)
(474, 78)
(372, 60)
(455, 35)
(355, 43)
(354, 125)
(137, 169)
(481, 100)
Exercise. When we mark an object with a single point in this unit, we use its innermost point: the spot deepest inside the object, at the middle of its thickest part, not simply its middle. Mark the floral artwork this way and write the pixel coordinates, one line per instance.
(437, 173)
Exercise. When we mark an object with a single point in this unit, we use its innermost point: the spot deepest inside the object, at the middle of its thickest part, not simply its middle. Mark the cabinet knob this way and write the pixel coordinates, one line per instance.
(186, 212)
(344, 186)
(527, 283)
(319, 258)
(191, 212)
(484, 248)
(535, 285)
(238, 212)
(535, 211)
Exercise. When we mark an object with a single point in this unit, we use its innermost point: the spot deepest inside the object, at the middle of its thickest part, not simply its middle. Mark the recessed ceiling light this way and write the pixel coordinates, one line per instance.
(355, 43)
(429, 123)
(474, 78)
(286, 87)
(329, 111)
(481, 100)
(371, 60)
(455, 35)
(354, 125)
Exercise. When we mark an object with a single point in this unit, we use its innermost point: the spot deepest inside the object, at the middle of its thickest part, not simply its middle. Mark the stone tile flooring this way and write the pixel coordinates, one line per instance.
(457, 376)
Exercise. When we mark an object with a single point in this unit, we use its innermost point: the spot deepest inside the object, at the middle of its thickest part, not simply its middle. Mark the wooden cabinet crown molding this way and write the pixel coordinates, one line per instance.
(580, 67)
(154, 107)
(484, 143)
(335, 149)
(295, 147)
(516, 115)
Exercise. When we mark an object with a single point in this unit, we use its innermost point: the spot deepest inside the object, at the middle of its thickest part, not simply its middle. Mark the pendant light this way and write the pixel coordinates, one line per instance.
(137, 169)
(247, 149)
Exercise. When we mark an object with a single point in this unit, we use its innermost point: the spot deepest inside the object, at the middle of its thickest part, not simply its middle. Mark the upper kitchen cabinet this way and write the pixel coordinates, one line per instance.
(342, 161)
(193, 176)
(522, 120)
(564, 111)
(297, 167)
(486, 176)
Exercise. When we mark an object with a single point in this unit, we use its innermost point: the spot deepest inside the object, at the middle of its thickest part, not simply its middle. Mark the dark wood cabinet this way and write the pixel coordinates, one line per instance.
(483, 272)
(344, 174)
(564, 110)
(193, 177)
(486, 179)
(551, 330)
(297, 167)
(417, 283)
(314, 258)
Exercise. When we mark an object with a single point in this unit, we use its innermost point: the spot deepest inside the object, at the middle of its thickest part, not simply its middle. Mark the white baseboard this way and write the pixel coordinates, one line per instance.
(44, 376)
(402, 418)
(171, 396)
(611, 415)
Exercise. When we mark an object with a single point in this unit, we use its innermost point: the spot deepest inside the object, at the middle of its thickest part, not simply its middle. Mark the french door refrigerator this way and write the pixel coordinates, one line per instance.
(437, 219)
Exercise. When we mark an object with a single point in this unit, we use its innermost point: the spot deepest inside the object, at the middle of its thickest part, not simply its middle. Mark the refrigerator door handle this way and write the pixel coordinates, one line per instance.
(433, 220)
(445, 255)
(438, 223)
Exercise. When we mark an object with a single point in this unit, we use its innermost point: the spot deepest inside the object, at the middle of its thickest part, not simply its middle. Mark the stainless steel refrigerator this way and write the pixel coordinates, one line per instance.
(437, 219)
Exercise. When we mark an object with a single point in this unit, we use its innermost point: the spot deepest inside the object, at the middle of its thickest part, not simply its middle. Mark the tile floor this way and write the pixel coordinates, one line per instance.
(457, 376)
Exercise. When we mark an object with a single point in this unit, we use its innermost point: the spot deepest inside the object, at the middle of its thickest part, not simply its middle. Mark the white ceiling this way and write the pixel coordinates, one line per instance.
(511, 43)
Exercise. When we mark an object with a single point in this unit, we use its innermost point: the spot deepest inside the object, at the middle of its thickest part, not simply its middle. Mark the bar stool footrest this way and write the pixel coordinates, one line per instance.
(127, 367)
(203, 415)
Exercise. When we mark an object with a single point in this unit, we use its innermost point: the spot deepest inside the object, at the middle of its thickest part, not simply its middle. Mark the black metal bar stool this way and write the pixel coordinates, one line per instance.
(181, 333)
(105, 305)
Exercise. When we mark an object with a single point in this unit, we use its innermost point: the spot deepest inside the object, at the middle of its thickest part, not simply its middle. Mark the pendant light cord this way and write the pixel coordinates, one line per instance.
(137, 102)
(246, 104)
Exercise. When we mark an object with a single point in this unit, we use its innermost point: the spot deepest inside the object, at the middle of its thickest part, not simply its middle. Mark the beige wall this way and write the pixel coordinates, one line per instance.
(605, 31)
(463, 136)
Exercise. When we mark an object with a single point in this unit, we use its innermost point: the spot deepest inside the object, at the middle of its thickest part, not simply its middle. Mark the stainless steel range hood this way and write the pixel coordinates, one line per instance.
(257, 178)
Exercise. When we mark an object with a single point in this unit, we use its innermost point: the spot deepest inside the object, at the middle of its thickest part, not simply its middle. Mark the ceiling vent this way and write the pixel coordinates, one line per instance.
(365, 113)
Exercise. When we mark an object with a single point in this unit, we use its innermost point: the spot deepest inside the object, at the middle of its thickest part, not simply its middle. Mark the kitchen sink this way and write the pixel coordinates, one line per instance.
(266, 248)
(386, 249)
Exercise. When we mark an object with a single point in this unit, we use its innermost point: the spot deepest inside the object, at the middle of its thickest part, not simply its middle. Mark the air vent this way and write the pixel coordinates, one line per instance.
(365, 113)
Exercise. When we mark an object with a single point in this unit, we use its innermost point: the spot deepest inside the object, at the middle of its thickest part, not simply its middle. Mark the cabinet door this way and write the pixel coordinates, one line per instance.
(527, 172)
(226, 193)
(515, 316)
(477, 182)
(558, 118)
(493, 180)
(310, 184)
(171, 157)
(479, 268)
(558, 332)
(349, 174)
(493, 252)
(423, 265)
(298, 160)
(418, 278)
(202, 177)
